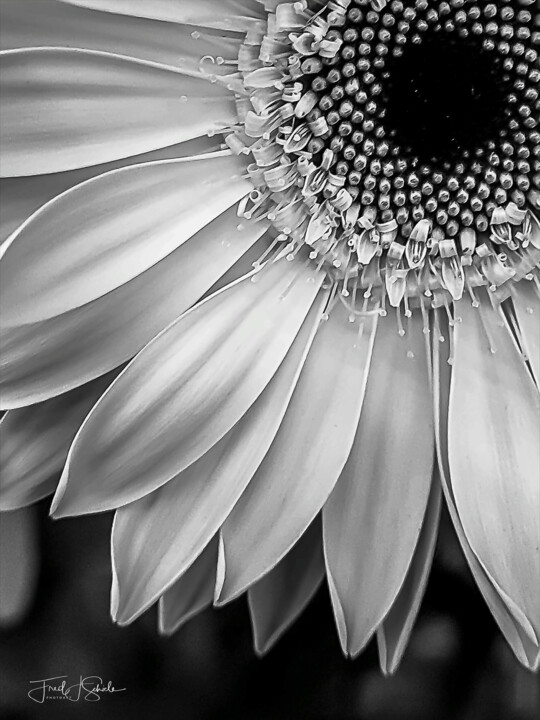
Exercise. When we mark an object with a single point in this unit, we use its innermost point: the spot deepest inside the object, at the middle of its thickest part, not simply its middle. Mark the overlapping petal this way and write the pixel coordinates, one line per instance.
(525, 649)
(104, 232)
(63, 109)
(49, 23)
(213, 363)
(45, 359)
(393, 635)
(34, 443)
(234, 15)
(191, 593)
(373, 518)
(305, 459)
(156, 539)
(280, 596)
(493, 454)
(22, 196)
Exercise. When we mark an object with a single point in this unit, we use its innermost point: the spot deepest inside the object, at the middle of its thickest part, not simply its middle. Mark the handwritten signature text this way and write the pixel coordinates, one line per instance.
(90, 688)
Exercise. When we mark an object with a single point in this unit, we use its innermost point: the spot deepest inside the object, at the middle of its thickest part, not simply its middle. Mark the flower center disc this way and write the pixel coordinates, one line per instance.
(397, 142)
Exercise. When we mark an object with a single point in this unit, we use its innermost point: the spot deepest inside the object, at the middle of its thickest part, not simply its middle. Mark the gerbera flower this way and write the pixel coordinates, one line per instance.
(311, 228)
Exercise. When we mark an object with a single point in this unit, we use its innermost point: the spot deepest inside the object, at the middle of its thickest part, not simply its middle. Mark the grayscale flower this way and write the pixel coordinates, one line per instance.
(311, 230)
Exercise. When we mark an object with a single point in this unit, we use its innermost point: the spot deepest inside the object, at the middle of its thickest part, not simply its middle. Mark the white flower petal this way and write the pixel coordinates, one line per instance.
(373, 518)
(493, 452)
(18, 563)
(157, 538)
(525, 649)
(235, 15)
(191, 593)
(110, 229)
(305, 459)
(527, 306)
(394, 633)
(249, 259)
(45, 359)
(63, 109)
(187, 388)
(279, 597)
(48, 23)
(21, 196)
(34, 443)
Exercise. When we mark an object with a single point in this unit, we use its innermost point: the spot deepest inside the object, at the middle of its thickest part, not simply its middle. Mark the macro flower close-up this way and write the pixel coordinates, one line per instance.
(270, 291)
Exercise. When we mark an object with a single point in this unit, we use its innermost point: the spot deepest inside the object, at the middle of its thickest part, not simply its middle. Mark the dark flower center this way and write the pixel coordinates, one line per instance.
(445, 98)
(430, 109)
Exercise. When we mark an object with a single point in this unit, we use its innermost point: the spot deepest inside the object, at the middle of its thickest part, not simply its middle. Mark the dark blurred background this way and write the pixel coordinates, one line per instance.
(457, 665)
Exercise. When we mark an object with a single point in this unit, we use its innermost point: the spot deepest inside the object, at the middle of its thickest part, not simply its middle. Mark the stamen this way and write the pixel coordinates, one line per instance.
(437, 326)
(270, 249)
(487, 331)
(452, 342)
(425, 317)
(401, 329)
(451, 317)
(407, 311)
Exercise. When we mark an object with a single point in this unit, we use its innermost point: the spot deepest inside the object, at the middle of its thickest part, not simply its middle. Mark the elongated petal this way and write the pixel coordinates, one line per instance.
(213, 363)
(305, 459)
(393, 635)
(45, 359)
(373, 518)
(106, 231)
(226, 14)
(493, 451)
(191, 593)
(526, 303)
(278, 598)
(34, 443)
(63, 109)
(156, 539)
(525, 649)
(48, 23)
(18, 563)
(22, 196)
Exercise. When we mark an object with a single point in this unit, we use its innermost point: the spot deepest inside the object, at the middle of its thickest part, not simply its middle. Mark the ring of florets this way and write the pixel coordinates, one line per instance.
(337, 186)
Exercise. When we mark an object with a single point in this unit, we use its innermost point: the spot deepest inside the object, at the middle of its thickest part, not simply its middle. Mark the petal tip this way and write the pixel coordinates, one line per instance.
(262, 649)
